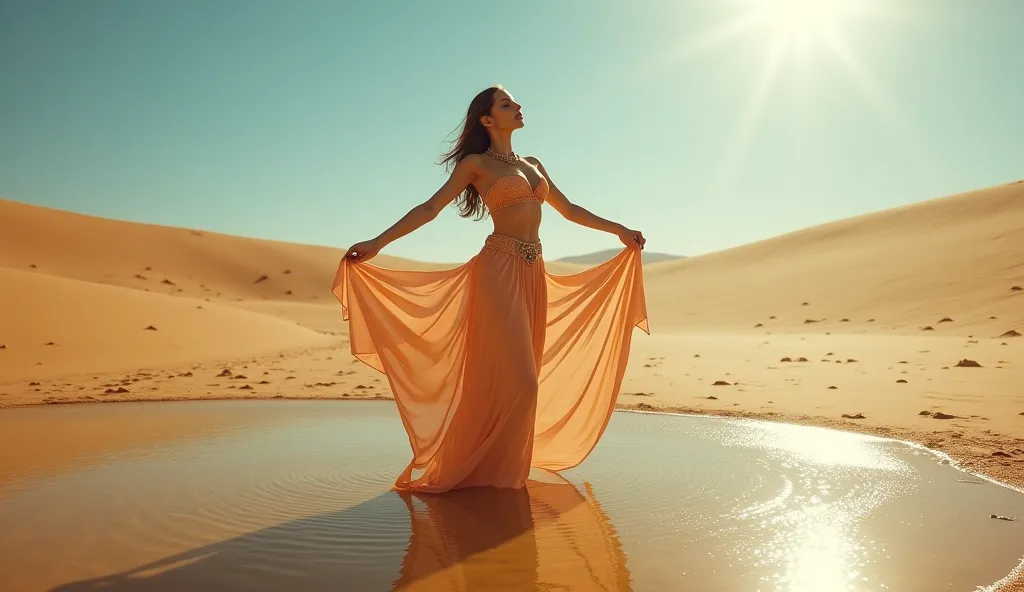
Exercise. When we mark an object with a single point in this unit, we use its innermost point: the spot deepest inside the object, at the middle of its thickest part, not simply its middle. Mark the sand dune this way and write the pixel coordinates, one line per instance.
(648, 257)
(905, 268)
(56, 326)
(869, 318)
(167, 260)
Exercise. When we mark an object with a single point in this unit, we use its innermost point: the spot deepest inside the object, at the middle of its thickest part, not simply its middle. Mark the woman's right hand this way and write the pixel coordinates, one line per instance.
(364, 251)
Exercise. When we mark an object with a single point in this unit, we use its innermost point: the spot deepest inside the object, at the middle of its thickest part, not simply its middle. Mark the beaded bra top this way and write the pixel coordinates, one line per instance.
(513, 189)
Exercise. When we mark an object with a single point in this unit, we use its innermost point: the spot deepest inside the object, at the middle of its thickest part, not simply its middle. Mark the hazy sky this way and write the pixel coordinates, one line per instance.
(704, 123)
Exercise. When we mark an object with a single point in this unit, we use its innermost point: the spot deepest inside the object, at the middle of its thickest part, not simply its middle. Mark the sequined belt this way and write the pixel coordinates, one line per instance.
(529, 252)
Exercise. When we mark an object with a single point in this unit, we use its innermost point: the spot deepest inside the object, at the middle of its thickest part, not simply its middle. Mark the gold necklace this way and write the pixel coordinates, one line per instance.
(511, 158)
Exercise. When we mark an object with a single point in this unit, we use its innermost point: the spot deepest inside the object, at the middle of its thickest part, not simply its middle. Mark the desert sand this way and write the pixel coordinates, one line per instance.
(903, 323)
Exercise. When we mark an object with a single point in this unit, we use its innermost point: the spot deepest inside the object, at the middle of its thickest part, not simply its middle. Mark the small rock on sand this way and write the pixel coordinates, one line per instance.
(226, 372)
(856, 416)
(965, 363)
(245, 387)
(150, 328)
(1016, 289)
(262, 278)
(927, 328)
(833, 388)
(713, 398)
(801, 359)
(720, 383)
(758, 325)
(786, 359)
(3, 347)
(168, 282)
(998, 517)
(925, 413)
(945, 320)
(901, 381)
(1011, 333)
(941, 415)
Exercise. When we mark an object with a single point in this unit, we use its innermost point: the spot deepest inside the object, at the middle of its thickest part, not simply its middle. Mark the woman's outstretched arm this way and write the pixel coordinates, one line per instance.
(464, 173)
(582, 216)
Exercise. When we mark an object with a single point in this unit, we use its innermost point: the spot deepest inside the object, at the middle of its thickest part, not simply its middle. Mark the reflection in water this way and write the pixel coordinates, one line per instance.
(549, 536)
(546, 537)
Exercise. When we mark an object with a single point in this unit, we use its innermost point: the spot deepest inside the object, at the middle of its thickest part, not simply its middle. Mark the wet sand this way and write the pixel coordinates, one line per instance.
(289, 498)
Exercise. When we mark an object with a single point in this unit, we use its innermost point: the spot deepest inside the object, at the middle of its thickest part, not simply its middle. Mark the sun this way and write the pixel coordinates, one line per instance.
(801, 32)
(799, 20)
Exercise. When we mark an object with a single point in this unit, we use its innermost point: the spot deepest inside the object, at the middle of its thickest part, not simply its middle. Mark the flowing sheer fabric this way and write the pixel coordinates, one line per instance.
(496, 365)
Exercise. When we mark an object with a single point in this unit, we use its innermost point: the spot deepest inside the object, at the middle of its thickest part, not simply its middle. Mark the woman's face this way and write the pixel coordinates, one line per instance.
(506, 113)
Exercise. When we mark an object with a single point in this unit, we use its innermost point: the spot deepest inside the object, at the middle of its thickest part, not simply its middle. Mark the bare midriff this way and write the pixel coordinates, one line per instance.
(520, 221)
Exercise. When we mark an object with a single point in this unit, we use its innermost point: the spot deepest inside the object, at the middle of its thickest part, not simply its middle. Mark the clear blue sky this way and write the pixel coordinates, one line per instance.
(322, 122)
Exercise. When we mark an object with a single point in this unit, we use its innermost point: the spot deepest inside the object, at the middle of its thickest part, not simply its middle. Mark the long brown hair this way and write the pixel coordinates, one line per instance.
(473, 139)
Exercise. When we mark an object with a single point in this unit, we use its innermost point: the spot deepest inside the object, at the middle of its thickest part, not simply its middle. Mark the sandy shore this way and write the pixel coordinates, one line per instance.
(905, 321)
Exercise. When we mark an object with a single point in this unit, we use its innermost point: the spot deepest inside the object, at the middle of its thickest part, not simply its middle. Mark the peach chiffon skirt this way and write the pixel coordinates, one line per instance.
(496, 366)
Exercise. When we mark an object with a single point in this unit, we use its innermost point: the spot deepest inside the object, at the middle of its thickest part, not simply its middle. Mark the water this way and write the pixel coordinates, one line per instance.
(295, 496)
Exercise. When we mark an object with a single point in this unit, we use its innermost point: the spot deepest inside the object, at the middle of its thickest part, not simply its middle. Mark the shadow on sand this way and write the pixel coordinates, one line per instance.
(549, 536)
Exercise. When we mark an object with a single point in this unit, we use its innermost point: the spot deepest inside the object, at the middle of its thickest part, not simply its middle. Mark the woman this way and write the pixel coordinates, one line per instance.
(496, 365)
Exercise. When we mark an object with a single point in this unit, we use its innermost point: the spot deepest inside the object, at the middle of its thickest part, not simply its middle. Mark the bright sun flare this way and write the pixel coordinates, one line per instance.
(809, 30)
(798, 19)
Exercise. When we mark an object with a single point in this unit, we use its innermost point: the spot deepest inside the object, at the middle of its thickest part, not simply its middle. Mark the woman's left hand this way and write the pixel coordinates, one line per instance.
(632, 237)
